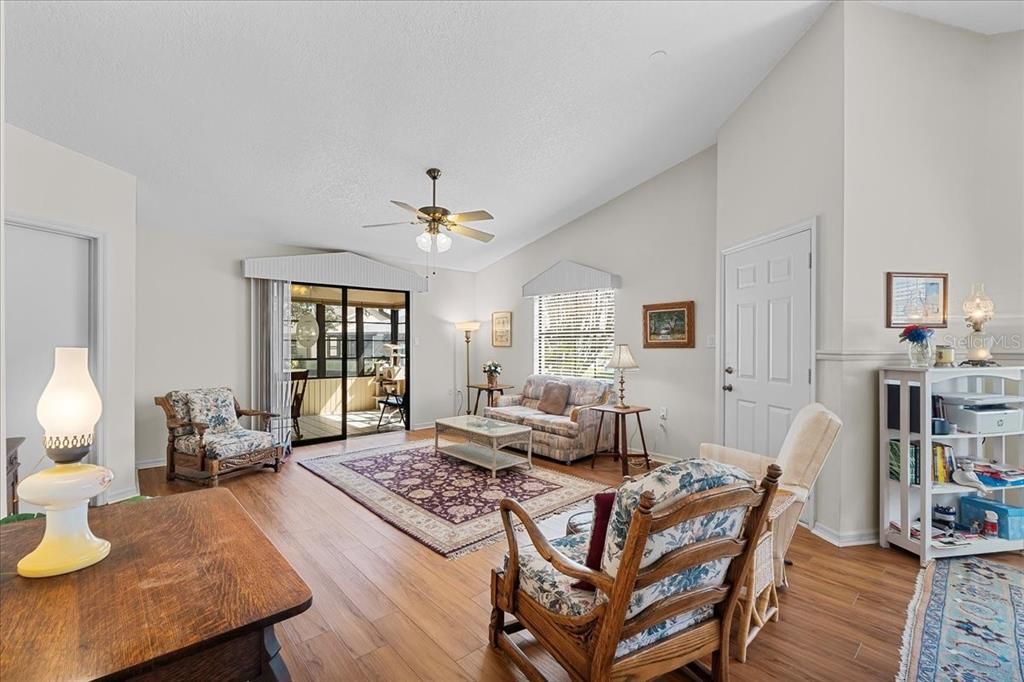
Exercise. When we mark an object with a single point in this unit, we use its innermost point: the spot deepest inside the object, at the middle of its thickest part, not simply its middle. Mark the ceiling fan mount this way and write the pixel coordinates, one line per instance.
(434, 217)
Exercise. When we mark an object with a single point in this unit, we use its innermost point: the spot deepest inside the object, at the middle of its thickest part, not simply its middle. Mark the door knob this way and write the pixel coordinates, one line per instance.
(729, 370)
(727, 387)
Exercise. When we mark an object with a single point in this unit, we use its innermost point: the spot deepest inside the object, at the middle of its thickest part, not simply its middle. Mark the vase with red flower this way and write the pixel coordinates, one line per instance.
(920, 347)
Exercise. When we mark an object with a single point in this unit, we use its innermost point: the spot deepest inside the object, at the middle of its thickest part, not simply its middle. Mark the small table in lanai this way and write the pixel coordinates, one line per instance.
(484, 441)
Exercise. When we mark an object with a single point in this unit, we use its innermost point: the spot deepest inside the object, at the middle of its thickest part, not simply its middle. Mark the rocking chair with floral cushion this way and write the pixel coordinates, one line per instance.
(206, 442)
(678, 542)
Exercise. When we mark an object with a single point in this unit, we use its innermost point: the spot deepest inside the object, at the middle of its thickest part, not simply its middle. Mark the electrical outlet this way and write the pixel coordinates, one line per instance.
(663, 414)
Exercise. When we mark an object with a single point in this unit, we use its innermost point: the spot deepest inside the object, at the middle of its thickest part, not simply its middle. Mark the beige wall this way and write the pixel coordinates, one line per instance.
(904, 137)
(933, 183)
(193, 326)
(660, 238)
(50, 185)
(780, 161)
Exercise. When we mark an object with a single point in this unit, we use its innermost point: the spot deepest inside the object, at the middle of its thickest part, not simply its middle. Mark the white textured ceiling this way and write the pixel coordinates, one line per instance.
(981, 16)
(297, 122)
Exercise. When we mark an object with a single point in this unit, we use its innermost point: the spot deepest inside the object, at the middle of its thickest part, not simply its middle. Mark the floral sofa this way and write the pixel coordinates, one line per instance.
(568, 436)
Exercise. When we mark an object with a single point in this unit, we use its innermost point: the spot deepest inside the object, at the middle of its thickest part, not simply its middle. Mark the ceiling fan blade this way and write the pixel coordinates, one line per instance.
(470, 216)
(465, 231)
(404, 222)
(411, 209)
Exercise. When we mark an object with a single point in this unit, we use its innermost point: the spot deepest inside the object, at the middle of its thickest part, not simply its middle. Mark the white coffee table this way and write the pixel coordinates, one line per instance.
(485, 439)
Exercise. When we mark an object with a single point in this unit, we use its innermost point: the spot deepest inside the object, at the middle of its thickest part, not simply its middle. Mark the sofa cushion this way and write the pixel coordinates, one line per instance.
(558, 424)
(214, 407)
(554, 397)
(555, 592)
(222, 444)
(670, 483)
(552, 589)
(514, 414)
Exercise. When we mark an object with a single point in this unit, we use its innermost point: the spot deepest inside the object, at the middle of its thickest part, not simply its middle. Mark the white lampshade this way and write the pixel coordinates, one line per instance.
(622, 358)
(443, 241)
(469, 326)
(70, 405)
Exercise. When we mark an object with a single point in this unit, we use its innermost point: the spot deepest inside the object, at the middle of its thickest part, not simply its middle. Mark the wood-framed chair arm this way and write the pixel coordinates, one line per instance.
(559, 561)
(200, 427)
(256, 413)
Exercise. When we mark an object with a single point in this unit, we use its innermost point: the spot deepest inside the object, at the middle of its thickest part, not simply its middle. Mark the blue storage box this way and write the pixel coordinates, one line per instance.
(1011, 519)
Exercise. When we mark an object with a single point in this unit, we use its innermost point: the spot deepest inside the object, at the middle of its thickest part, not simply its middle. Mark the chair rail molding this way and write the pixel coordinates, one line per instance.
(566, 275)
(340, 268)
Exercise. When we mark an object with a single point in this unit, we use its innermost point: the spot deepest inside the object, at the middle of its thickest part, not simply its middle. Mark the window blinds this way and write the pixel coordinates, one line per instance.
(574, 333)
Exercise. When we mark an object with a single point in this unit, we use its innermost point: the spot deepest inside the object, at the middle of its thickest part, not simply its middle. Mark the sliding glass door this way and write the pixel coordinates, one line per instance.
(349, 368)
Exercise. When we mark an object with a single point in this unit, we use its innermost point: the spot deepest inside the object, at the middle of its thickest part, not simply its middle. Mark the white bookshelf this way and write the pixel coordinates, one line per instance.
(913, 502)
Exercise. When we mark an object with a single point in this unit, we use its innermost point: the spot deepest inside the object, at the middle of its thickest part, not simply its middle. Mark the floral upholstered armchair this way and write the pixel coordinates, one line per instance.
(678, 542)
(205, 440)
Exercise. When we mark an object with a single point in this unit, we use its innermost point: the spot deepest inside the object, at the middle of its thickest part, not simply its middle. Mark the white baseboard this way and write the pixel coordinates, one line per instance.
(151, 463)
(846, 539)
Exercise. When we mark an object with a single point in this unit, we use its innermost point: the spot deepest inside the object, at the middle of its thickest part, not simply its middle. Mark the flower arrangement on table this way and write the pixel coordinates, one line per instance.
(916, 334)
(492, 369)
(919, 340)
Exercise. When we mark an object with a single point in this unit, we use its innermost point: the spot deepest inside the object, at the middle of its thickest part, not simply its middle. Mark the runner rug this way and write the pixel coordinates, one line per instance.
(965, 622)
(449, 505)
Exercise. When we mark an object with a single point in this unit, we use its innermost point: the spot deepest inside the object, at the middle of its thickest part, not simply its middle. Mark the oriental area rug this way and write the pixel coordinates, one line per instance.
(448, 505)
(965, 622)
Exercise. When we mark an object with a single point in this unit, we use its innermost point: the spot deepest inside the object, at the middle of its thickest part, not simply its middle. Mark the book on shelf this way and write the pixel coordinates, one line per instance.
(943, 462)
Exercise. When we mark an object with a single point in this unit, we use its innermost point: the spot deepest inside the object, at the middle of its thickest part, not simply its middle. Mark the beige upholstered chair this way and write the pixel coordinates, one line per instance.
(802, 456)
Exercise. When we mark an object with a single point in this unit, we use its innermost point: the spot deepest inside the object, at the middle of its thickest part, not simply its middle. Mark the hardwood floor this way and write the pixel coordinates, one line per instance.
(386, 607)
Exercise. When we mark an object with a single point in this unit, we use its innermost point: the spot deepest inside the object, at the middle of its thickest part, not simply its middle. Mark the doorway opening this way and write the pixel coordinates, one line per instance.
(349, 366)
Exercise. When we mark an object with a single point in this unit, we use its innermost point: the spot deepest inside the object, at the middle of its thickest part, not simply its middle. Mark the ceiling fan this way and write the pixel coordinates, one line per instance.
(438, 220)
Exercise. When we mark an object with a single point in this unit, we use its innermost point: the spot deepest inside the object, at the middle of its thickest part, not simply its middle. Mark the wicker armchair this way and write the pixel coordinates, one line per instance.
(679, 542)
(205, 441)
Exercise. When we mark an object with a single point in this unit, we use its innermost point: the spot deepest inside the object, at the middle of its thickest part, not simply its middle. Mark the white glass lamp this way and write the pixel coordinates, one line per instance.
(468, 327)
(426, 240)
(978, 311)
(622, 360)
(68, 410)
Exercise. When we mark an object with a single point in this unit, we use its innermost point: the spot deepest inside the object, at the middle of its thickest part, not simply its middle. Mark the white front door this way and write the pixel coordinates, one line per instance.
(767, 340)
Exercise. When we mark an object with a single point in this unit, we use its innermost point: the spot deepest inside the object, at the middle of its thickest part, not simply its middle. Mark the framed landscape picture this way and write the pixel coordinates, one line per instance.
(916, 298)
(669, 325)
(501, 329)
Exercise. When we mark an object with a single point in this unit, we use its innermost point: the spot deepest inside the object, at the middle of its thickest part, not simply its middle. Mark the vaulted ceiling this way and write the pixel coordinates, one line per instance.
(297, 122)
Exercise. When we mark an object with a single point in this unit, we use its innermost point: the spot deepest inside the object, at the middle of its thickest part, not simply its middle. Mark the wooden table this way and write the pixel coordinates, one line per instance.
(490, 390)
(621, 442)
(191, 590)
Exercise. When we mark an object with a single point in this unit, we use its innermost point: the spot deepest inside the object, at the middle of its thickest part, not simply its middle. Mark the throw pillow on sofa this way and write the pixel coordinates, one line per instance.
(554, 397)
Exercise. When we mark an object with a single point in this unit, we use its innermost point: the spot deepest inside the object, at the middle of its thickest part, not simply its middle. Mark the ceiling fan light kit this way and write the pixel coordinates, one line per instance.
(437, 221)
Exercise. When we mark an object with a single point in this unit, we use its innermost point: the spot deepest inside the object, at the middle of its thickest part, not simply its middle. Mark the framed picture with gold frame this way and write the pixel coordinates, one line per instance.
(916, 298)
(669, 325)
(501, 329)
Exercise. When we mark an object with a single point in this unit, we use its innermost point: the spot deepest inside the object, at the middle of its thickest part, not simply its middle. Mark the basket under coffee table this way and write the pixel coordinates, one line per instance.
(485, 440)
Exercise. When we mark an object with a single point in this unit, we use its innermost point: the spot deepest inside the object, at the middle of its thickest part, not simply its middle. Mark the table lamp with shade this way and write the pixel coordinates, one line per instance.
(68, 410)
(622, 360)
(468, 327)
